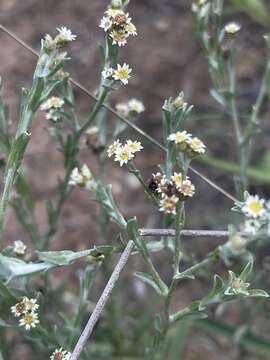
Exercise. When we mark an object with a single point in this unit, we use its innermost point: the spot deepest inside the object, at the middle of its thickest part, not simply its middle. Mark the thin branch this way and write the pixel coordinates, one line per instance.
(186, 233)
(130, 124)
(101, 302)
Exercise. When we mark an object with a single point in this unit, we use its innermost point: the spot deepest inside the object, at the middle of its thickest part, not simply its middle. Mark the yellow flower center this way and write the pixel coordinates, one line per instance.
(124, 155)
(119, 36)
(28, 319)
(133, 147)
(122, 73)
(256, 206)
(180, 138)
(55, 102)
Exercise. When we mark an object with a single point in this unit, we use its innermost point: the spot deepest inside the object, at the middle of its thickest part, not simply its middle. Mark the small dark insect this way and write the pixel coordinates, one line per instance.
(153, 186)
(170, 191)
(96, 148)
(2, 162)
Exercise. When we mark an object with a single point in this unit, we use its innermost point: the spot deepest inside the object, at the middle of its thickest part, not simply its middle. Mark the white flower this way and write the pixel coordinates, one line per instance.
(92, 131)
(31, 304)
(187, 188)
(180, 137)
(119, 38)
(136, 106)
(123, 154)
(53, 102)
(122, 109)
(197, 145)
(254, 207)
(60, 354)
(177, 178)
(122, 73)
(134, 146)
(65, 35)
(168, 204)
(107, 73)
(80, 178)
(237, 244)
(131, 29)
(49, 42)
(19, 247)
(19, 309)
(113, 147)
(251, 227)
(29, 320)
(105, 23)
(232, 28)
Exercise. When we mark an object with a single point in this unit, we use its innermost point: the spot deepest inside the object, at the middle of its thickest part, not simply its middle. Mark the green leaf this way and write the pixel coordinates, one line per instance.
(146, 278)
(247, 271)
(11, 268)
(257, 293)
(64, 257)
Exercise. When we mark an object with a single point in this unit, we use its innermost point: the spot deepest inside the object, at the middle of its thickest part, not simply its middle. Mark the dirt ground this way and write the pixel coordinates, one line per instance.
(166, 59)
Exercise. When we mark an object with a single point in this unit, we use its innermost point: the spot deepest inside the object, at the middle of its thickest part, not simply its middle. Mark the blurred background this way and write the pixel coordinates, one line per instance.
(166, 59)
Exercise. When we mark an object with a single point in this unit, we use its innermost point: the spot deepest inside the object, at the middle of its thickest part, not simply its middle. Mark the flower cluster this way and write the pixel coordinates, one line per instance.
(132, 106)
(63, 38)
(117, 24)
(257, 213)
(53, 107)
(124, 152)
(184, 141)
(26, 311)
(171, 190)
(19, 248)
(83, 178)
(60, 354)
(121, 73)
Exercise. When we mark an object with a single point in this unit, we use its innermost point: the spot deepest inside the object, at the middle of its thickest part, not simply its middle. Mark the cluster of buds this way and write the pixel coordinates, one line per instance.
(121, 73)
(62, 39)
(60, 354)
(93, 140)
(53, 108)
(184, 142)
(171, 191)
(123, 153)
(129, 108)
(117, 24)
(83, 178)
(25, 310)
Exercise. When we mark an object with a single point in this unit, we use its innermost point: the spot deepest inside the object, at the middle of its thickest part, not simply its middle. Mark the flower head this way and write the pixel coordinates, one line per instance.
(29, 320)
(65, 35)
(238, 287)
(119, 37)
(187, 188)
(180, 137)
(122, 109)
(105, 23)
(107, 73)
(168, 204)
(19, 247)
(113, 147)
(251, 227)
(254, 207)
(134, 146)
(80, 177)
(179, 103)
(131, 29)
(31, 304)
(60, 354)
(122, 73)
(53, 102)
(136, 106)
(197, 145)
(232, 28)
(177, 178)
(19, 309)
(123, 154)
